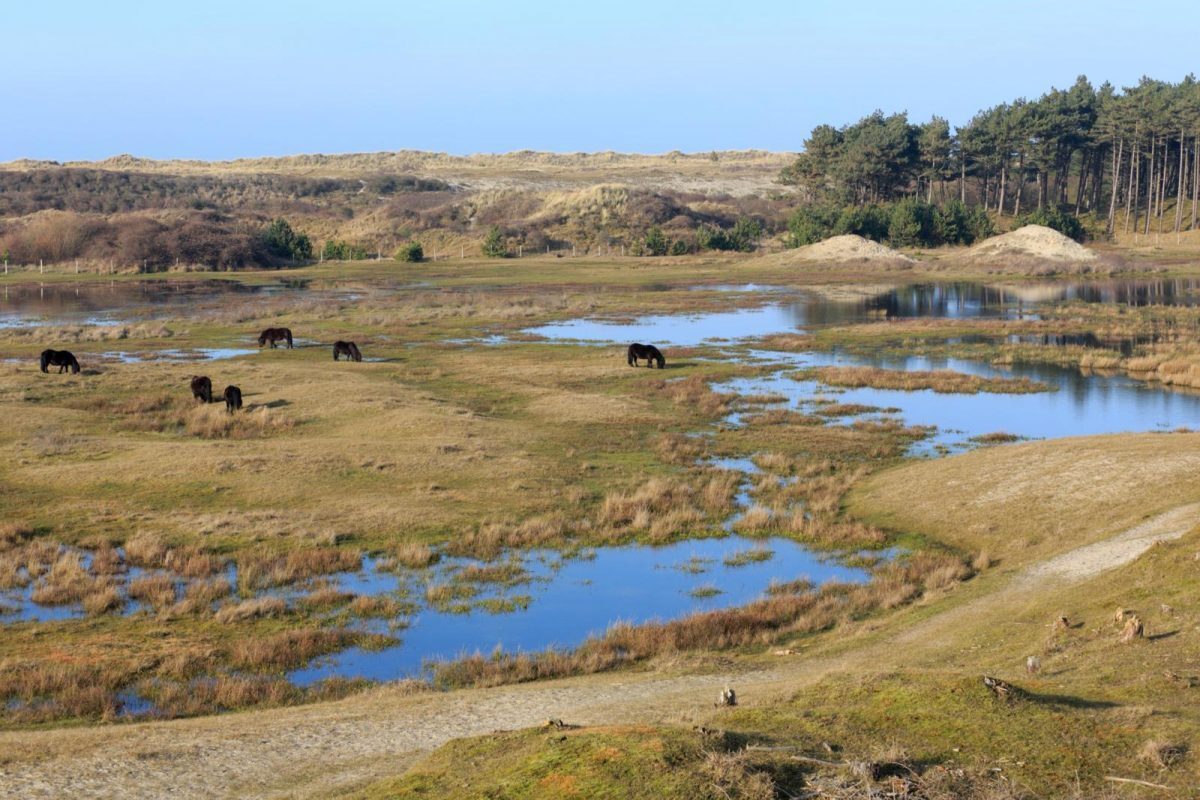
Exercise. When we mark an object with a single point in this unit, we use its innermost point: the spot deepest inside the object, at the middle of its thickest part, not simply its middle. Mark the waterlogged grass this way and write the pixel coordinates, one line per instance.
(942, 381)
(752, 556)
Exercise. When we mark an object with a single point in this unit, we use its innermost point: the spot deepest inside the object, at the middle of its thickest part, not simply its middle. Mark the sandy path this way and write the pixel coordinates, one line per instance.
(325, 746)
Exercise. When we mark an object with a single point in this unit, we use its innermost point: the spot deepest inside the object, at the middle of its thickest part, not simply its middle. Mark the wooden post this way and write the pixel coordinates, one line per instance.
(41, 267)
(463, 251)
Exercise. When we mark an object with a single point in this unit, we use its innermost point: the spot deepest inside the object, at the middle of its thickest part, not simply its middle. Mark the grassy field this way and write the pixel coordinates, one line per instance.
(434, 446)
(446, 446)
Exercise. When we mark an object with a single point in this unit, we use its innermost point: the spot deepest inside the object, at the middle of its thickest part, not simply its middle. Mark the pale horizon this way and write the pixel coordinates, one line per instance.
(233, 81)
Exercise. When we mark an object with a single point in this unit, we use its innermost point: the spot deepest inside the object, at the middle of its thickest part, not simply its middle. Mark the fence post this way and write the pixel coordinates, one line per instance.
(41, 267)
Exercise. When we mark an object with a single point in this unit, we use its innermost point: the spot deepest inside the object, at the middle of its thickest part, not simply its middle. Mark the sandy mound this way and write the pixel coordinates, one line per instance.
(1032, 241)
(845, 249)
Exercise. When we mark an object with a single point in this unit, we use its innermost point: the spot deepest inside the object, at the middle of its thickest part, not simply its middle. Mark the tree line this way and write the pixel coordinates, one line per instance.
(1127, 160)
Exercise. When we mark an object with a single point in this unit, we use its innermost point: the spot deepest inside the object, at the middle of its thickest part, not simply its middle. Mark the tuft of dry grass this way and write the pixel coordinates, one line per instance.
(289, 649)
(413, 555)
(156, 591)
(1161, 754)
(251, 609)
(214, 422)
(262, 570)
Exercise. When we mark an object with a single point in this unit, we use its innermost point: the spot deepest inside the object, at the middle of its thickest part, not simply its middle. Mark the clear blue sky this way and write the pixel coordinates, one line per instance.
(219, 79)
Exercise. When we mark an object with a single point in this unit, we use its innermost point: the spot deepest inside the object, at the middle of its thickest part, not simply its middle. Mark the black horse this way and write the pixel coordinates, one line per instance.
(347, 349)
(202, 388)
(646, 351)
(61, 359)
(233, 398)
(274, 335)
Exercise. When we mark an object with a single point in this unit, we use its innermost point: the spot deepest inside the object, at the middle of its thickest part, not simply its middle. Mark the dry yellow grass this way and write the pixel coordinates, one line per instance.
(1023, 501)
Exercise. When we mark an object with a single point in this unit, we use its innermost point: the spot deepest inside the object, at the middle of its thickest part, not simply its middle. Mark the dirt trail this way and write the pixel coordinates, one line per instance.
(327, 746)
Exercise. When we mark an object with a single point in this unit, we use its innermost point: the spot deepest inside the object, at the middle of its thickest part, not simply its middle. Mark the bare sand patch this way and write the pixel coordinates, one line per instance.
(1031, 242)
(846, 249)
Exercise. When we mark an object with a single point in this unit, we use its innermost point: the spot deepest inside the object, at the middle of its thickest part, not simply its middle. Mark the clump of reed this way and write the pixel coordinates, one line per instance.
(753, 555)
(413, 555)
(289, 649)
(491, 538)
(200, 594)
(251, 609)
(324, 597)
(156, 591)
(42, 690)
(941, 381)
(262, 570)
(69, 582)
(507, 573)
(149, 551)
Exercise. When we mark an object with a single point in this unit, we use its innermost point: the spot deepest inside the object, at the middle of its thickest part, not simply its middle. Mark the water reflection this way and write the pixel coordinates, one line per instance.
(938, 300)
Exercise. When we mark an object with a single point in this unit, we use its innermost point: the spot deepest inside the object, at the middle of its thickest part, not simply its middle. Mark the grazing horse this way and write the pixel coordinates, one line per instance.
(202, 388)
(347, 349)
(233, 398)
(274, 335)
(646, 351)
(61, 359)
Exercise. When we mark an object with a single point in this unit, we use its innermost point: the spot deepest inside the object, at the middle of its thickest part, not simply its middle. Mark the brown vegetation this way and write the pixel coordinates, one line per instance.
(942, 381)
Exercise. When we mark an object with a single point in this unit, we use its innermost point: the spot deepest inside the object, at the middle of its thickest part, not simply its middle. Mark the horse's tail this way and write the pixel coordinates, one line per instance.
(45, 360)
(630, 356)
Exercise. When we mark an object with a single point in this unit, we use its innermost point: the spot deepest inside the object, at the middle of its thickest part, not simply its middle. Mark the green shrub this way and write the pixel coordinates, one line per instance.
(284, 242)
(810, 224)
(494, 245)
(869, 222)
(1059, 219)
(911, 223)
(337, 250)
(411, 252)
(656, 243)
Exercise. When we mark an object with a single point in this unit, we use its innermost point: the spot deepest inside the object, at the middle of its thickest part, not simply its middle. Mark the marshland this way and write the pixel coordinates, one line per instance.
(493, 496)
(859, 467)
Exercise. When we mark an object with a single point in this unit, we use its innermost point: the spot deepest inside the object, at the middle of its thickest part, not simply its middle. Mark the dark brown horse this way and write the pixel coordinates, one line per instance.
(274, 335)
(347, 349)
(202, 388)
(61, 359)
(233, 398)
(646, 351)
